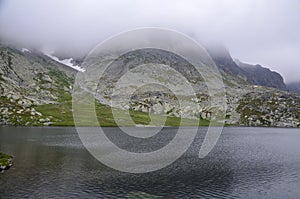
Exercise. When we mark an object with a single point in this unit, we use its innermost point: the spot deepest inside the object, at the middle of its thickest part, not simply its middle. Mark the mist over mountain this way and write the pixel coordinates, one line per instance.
(221, 56)
(264, 32)
(294, 87)
(253, 74)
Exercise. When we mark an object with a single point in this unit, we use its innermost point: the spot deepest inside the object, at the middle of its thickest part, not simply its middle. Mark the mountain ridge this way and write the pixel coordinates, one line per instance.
(261, 76)
(254, 74)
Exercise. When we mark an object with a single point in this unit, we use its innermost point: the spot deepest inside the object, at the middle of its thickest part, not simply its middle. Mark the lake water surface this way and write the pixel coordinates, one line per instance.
(51, 162)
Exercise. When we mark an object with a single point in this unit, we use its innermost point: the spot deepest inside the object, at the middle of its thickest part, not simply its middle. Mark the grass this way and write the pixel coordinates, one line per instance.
(62, 116)
(4, 159)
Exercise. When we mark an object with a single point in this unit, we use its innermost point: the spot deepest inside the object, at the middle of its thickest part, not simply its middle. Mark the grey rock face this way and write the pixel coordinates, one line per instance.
(253, 74)
(261, 76)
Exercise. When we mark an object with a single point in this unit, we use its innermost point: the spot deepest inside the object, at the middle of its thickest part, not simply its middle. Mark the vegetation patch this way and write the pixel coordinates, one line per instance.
(5, 161)
(61, 115)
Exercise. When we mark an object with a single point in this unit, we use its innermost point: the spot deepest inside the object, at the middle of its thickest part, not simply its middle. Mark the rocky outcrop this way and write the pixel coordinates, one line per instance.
(258, 75)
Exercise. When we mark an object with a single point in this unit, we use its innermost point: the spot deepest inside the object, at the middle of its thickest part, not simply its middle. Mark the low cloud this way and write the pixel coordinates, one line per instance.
(255, 31)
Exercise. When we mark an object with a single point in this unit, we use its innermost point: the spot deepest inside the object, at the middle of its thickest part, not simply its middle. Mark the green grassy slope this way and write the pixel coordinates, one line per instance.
(61, 115)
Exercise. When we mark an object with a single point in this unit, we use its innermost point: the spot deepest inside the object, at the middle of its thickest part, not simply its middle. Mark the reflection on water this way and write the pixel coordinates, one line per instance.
(246, 163)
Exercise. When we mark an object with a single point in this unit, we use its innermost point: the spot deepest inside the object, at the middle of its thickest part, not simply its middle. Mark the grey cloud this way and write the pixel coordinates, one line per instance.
(255, 31)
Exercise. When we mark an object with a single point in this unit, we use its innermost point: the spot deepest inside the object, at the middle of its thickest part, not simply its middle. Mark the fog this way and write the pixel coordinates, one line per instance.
(263, 32)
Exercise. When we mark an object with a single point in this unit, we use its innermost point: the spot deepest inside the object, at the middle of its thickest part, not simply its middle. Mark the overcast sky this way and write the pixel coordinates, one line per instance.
(255, 31)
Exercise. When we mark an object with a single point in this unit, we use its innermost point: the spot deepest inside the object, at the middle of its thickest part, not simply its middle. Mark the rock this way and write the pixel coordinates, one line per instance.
(47, 78)
(4, 111)
(38, 113)
(47, 86)
(15, 97)
(48, 123)
(20, 111)
(66, 89)
(25, 102)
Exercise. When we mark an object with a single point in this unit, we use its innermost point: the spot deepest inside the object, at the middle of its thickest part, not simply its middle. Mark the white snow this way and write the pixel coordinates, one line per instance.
(67, 62)
(25, 50)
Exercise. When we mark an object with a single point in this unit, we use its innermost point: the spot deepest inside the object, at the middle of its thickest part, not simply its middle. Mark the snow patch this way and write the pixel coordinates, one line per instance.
(25, 50)
(67, 62)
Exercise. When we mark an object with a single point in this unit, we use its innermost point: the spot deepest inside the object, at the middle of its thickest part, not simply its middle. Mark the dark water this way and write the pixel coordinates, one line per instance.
(246, 163)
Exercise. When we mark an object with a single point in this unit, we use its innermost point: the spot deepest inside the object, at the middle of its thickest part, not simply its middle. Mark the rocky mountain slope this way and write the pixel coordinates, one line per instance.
(248, 103)
(258, 75)
(36, 90)
(253, 74)
(29, 79)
